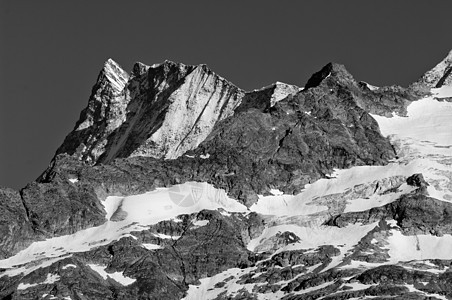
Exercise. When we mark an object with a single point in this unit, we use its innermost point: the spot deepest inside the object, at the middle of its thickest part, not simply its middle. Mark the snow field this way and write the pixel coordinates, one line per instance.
(140, 210)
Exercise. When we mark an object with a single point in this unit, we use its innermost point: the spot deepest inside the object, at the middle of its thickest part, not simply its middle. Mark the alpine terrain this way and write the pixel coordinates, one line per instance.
(177, 184)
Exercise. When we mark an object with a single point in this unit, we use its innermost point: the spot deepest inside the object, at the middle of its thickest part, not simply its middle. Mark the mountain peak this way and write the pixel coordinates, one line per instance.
(337, 71)
(115, 75)
(163, 114)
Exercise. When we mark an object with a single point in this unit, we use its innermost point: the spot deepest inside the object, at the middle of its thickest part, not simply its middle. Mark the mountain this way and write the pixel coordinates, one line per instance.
(159, 111)
(177, 184)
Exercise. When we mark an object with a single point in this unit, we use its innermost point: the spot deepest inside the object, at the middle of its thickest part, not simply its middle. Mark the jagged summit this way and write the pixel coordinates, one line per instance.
(335, 70)
(166, 109)
(115, 75)
(160, 111)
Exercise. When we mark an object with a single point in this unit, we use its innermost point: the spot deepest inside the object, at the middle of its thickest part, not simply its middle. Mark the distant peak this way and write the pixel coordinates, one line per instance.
(338, 71)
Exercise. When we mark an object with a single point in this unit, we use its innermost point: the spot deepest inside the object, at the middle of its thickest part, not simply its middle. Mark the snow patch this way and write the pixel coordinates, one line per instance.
(25, 265)
(51, 278)
(314, 236)
(423, 141)
(376, 200)
(418, 247)
(428, 120)
(442, 92)
(371, 87)
(166, 236)
(69, 266)
(276, 192)
(116, 276)
(201, 223)
(152, 246)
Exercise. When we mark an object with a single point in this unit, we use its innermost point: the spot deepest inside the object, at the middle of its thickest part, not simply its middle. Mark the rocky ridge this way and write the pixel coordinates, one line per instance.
(306, 197)
(159, 111)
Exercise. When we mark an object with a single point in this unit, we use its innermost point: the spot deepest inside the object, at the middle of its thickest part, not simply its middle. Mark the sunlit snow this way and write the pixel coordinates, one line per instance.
(51, 278)
(116, 276)
(152, 246)
(138, 213)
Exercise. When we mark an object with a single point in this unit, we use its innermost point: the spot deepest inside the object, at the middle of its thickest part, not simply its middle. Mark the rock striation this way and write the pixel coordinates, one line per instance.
(159, 111)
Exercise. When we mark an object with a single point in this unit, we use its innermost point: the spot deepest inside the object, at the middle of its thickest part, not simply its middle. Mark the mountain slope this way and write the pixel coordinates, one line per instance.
(177, 184)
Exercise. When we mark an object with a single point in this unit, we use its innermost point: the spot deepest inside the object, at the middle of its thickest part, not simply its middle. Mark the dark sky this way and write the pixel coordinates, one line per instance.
(51, 53)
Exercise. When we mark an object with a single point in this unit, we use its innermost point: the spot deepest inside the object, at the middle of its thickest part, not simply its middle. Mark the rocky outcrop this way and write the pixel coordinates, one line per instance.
(62, 207)
(415, 213)
(162, 273)
(15, 229)
(106, 111)
(380, 101)
(160, 111)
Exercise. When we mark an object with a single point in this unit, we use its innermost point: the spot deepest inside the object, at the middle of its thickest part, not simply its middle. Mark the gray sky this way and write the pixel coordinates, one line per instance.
(51, 52)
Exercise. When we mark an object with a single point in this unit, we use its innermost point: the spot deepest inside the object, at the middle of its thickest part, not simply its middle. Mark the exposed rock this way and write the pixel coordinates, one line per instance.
(161, 111)
(15, 228)
(414, 213)
(382, 101)
(418, 180)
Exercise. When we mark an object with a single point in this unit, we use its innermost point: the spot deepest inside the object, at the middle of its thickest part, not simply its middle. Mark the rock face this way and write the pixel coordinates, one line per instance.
(159, 111)
(176, 184)
(15, 227)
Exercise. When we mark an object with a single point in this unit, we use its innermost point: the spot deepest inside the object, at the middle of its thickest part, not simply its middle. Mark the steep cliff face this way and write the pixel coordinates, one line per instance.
(106, 111)
(160, 111)
(202, 99)
(175, 184)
